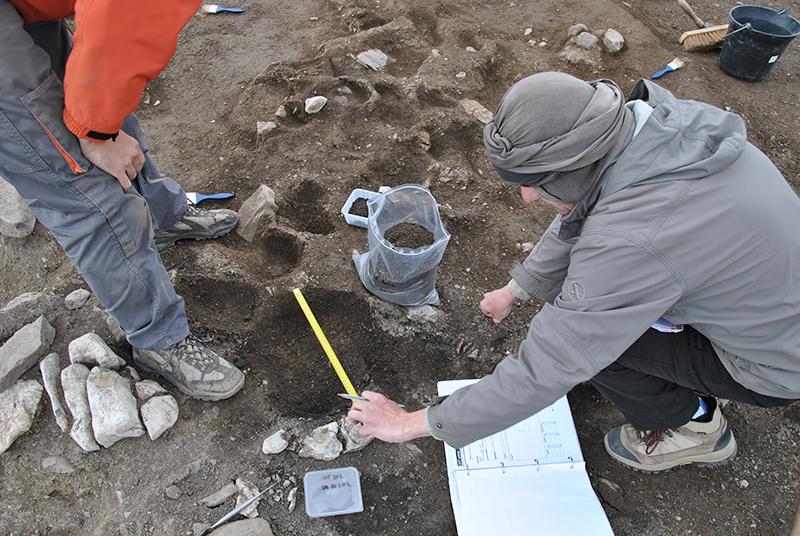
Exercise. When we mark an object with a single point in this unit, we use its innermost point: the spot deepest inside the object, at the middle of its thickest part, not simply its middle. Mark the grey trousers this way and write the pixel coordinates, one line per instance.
(106, 232)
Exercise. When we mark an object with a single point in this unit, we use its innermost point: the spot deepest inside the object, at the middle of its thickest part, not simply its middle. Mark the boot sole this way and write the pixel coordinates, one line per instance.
(720, 457)
(185, 390)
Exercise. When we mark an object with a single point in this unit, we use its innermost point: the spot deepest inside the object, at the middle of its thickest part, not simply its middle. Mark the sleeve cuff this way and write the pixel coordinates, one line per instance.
(433, 428)
(81, 131)
(517, 290)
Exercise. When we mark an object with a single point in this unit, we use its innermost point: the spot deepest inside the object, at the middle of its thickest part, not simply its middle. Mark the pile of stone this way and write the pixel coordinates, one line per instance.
(584, 47)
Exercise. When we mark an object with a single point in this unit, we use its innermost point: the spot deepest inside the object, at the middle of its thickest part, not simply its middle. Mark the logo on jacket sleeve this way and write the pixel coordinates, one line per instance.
(575, 291)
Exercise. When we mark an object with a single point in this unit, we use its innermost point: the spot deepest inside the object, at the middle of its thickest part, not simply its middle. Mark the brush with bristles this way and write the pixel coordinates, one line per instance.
(213, 9)
(674, 65)
(704, 38)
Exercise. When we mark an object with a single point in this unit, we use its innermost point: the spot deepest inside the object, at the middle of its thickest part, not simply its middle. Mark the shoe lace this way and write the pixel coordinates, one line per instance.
(193, 210)
(652, 438)
(191, 350)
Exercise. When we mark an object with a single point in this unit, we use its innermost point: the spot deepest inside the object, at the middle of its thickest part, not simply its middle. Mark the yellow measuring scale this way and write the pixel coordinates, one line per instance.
(323, 341)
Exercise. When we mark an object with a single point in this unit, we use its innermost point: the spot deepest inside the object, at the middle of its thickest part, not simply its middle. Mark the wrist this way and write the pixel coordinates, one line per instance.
(414, 425)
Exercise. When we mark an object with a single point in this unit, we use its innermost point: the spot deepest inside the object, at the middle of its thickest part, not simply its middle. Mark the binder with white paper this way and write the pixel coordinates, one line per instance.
(527, 479)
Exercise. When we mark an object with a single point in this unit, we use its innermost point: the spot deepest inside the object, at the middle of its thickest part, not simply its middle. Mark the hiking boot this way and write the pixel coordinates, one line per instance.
(199, 224)
(193, 368)
(701, 443)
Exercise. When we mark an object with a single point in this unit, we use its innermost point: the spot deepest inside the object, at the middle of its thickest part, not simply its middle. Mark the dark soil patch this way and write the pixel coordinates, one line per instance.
(305, 208)
(283, 252)
(220, 304)
(409, 235)
(359, 208)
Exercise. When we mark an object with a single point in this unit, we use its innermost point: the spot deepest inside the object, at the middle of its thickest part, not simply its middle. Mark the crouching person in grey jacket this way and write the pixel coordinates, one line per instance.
(666, 213)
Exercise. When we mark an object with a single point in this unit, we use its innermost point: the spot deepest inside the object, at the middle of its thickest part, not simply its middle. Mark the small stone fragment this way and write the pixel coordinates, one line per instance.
(159, 414)
(577, 56)
(374, 59)
(50, 367)
(90, 349)
(613, 41)
(133, 374)
(586, 40)
(265, 128)
(23, 350)
(246, 492)
(113, 407)
(18, 405)
(423, 314)
(220, 496)
(476, 110)
(322, 443)
(245, 527)
(73, 381)
(58, 465)
(527, 32)
(351, 432)
(116, 331)
(258, 206)
(77, 299)
(424, 140)
(292, 499)
(577, 29)
(16, 219)
(743, 483)
(173, 492)
(147, 389)
(24, 309)
(282, 112)
(527, 246)
(275, 444)
(461, 74)
(315, 104)
(199, 528)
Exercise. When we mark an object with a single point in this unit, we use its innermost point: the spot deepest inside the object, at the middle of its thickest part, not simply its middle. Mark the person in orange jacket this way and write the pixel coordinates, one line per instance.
(71, 146)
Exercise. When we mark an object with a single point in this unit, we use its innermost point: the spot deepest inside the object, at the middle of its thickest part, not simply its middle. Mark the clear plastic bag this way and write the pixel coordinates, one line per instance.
(402, 275)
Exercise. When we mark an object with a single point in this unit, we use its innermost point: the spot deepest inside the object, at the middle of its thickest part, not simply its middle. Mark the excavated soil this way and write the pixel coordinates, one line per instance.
(409, 235)
(401, 125)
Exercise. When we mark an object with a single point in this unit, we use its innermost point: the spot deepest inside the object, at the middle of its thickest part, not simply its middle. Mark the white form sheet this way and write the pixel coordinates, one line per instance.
(530, 475)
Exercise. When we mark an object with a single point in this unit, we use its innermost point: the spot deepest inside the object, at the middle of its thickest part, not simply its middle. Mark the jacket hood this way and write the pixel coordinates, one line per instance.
(681, 140)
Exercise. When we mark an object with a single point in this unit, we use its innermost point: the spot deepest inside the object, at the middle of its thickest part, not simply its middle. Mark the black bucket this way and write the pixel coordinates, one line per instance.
(757, 36)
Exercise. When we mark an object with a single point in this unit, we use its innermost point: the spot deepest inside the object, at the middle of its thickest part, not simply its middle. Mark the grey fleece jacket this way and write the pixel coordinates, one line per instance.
(694, 224)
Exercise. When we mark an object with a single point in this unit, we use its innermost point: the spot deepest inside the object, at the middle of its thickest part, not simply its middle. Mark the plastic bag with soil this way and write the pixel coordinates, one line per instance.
(406, 244)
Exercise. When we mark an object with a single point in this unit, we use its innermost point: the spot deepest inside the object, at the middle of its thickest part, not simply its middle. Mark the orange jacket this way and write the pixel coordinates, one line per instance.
(119, 46)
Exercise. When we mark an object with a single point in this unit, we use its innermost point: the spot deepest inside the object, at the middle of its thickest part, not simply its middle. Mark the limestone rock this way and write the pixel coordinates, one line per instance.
(265, 128)
(577, 29)
(577, 56)
(613, 41)
(220, 496)
(173, 492)
(117, 334)
(424, 313)
(134, 374)
(24, 309)
(245, 527)
(258, 206)
(147, 389)
(351, 432)
(292, 499)
(90, 349)
(246, 492)
(16, 219)
(322, 443)
(275, 444)
(18, 406)
(23, 350)
(586, 40)
(73, 381)
(159, 414)
(77, 299)
(374, 59)
(198, 529)
(315, 104)
(476, 110)
(113, 407)
(58, 465)
(50, 367)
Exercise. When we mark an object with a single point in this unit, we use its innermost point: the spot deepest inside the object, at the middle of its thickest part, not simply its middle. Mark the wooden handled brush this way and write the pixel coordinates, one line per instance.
(708, 37)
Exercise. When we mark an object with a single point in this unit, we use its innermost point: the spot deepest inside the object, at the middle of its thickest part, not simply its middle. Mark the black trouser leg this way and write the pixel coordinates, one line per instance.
(653, 383)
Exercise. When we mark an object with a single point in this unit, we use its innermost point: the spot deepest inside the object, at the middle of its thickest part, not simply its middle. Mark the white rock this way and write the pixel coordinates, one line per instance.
(16, 219)
(423, 313)
(24, 309)
(476, 110)
(315, 104)
(586, 40)
(282, 112)
(73, 381)
(245, 527)
(470, 49)
(527, 246)
(461, 74)
(292, 499)
(258, 206)
(577, 56)
(613, 41)
(220, 496)
(77, 299)
(58, 465)
(50, 367)
(18, 406)
(373, 58)
(275, 444)
(322, 443)
(113, 406)
(23, 350)
(527, 32)
(246, 492)
(265, 128)
(159, 414)
(90, 349)
(351, 432)
(577, 29)
(147, 389)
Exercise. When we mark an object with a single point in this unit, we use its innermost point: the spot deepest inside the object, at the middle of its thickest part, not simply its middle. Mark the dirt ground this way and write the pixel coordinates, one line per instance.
(201, 113)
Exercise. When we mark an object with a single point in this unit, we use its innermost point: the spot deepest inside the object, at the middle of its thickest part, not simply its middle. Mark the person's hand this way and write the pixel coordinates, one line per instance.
(122, 158)
(497, 304)
(386, 420)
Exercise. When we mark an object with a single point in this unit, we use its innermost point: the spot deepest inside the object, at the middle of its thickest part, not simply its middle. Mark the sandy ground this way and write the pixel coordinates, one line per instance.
(231, 71)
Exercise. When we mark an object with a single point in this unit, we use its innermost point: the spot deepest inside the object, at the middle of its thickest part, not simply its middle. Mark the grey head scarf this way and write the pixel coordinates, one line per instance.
(559, 134)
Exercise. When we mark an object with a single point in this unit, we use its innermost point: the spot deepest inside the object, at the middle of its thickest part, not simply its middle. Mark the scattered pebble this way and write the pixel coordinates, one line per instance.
(613, 41)
(220, 496)
(77, 299)
(374, 59)
(58, 465)
(424, 314)
(275, 444)
(315, 104)
(246, 492)
(173, 492)
(461, 74)
(265, 128)
(586, 40)
(292, 499)
(476, 110)
(528, 31)
(743, 483)
(577, 29)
